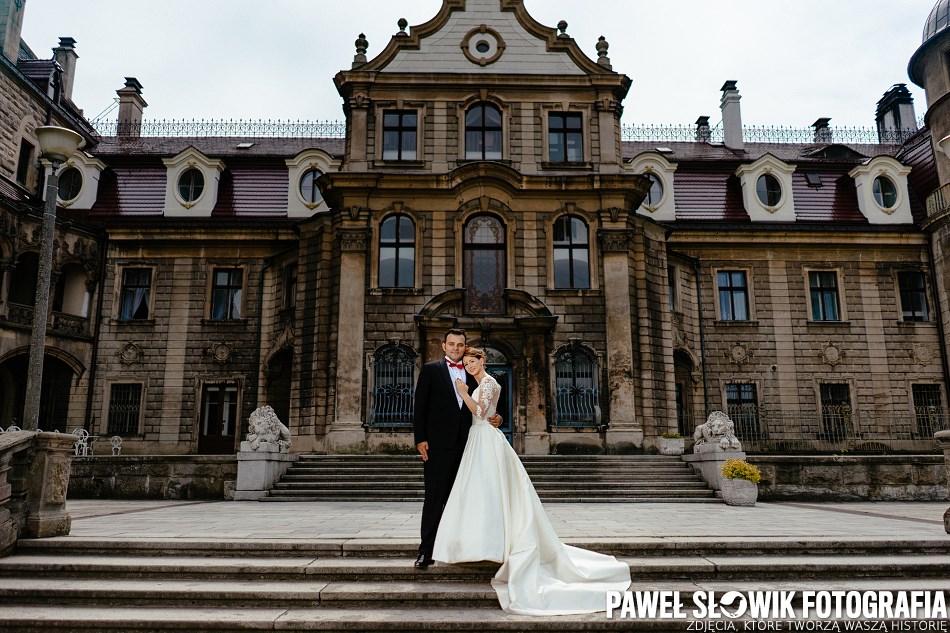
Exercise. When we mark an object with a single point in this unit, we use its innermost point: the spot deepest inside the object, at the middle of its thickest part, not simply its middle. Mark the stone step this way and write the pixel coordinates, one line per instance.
(416, 472)
(314, 498)
(297, 482)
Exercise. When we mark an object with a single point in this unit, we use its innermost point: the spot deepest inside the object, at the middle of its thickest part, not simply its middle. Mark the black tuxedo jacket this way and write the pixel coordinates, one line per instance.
(438, 419)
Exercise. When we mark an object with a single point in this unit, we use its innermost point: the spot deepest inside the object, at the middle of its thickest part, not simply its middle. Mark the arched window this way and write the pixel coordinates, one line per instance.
(484, 265)
(397, 252)
(483, 132)
(576, 393)
(22, 288)
(394, 380)
(571, 254)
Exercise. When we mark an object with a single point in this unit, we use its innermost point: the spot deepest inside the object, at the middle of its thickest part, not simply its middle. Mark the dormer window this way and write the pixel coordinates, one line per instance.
(769, 190)
(190, 185)
(655, 194)
(483, 132)
(658, 202)
(885, 192)
(400, 134)
(308, 187)
(304, 197)
(70, 184)
(881, 183)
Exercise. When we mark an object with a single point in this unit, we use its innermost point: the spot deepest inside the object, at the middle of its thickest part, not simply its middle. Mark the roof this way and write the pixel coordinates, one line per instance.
(216, 147)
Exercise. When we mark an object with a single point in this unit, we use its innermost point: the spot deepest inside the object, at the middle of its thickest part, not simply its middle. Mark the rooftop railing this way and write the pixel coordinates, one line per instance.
(210, 128)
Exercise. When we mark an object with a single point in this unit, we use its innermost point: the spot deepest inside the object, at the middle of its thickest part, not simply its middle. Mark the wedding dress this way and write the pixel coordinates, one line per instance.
(494, 514)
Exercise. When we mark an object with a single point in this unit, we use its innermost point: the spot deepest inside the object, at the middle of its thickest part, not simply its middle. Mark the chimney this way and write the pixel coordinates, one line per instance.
(131, 105)
(703, 133)
(823, 131)
(11, 25)
(895, 116)
(65, 55)
(731, 116)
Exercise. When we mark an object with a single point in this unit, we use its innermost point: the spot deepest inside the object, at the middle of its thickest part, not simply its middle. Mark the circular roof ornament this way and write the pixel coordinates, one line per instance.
(483, 45)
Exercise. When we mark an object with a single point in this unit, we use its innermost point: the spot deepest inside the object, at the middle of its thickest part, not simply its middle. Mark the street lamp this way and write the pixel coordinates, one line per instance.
(57, 144)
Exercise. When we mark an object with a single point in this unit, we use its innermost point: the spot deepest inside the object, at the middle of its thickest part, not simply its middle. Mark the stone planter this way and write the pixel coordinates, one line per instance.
(672, 445)
(739, 492)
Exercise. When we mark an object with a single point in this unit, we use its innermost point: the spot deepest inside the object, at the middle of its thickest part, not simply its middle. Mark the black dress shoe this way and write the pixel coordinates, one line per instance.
(423, 562)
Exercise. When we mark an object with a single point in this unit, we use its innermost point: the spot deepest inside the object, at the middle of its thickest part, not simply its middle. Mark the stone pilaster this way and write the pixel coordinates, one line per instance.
(359, 126)
(943, 442)
(537, 439)
(347, 427)
(47, 486)
(625, 431)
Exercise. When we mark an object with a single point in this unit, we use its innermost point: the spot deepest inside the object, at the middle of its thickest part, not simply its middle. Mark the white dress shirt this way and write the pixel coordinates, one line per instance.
(456, 373)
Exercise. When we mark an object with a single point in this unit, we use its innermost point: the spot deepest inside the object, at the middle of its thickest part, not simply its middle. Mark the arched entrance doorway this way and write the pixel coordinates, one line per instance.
(54, 397)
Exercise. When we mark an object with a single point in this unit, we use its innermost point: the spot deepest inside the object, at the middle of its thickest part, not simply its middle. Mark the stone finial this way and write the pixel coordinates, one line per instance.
(602, 46)
(402, 24)
(562, 27)
(266, 433)
(361, 45)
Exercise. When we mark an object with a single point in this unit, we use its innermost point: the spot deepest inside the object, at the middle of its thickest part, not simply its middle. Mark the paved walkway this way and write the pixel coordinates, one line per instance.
(400, 521)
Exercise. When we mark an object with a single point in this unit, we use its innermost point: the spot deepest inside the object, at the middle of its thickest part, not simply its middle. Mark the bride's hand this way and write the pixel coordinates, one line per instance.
(461, 387)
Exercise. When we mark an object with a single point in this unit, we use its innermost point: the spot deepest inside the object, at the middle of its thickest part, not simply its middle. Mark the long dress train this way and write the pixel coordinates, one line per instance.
(494, 514)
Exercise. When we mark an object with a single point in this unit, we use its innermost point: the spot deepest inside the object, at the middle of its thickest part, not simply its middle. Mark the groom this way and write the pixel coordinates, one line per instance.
(441, 422)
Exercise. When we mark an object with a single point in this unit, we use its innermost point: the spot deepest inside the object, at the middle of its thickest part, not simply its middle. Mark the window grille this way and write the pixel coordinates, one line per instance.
(125, 402)
(394, 379)
(836, 411)
(742, 405)
(576, 393)
(928, 409)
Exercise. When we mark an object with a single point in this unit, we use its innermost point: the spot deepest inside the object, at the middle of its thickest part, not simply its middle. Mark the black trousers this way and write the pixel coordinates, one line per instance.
(439, 472)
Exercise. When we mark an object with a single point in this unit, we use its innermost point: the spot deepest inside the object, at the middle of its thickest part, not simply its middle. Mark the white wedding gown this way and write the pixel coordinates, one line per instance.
(494, 514)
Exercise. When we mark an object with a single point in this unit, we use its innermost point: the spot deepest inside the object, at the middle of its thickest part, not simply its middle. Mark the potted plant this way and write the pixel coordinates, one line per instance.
(739, 482)
(672, 444)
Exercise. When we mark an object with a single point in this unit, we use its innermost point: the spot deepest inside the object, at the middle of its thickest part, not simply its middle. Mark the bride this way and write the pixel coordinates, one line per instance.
(494, 514)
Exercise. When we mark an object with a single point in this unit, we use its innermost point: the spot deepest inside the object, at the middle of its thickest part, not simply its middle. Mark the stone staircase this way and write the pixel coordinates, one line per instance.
(557, 478)
(195, 585)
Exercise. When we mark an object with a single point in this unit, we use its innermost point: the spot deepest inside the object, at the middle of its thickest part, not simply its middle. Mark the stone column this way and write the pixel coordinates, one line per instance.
(943, 442)
(537, 440)
(625, 431)
(47, 486)
(347, 428)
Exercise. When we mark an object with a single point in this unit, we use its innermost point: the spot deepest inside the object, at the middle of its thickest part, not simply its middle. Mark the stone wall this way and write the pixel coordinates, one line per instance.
(852, 477)
(151, 477)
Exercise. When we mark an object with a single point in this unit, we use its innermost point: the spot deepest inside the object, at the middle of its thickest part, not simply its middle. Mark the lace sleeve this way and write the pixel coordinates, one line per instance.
(488, 393)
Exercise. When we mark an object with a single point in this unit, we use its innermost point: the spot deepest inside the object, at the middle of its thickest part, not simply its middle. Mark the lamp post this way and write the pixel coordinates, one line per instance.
(57, 144)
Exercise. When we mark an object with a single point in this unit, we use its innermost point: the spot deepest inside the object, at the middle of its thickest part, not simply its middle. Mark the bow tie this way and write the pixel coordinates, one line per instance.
(457, 366)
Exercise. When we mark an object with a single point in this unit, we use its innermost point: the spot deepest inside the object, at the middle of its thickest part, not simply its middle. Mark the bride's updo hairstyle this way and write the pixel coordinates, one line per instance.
(474, 351)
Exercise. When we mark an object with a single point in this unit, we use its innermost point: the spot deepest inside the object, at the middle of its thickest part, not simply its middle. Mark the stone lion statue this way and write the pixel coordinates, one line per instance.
(718, 430)
(266, 432)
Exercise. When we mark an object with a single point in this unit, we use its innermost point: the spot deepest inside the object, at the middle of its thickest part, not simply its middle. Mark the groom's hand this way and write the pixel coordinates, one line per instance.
(423, 448)
(496, 420)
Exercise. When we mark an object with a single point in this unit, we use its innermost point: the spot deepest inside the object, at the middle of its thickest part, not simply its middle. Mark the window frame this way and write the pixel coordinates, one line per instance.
(178, 186)
(106, 425)
(373, 386)
(746, 272)
(845, 424)
(26, 159)
(482, 130)
(740, 418)
(397, 245)
(595, 375)
(570, 246)
(502, 248)
(401, 132)
(121, 292)
(565, 132)
(213, 268)
(923, 292)
(924, 426)
(839, 295)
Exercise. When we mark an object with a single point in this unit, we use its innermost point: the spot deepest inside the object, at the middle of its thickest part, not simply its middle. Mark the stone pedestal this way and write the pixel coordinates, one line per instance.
(47, 485)
(258, 471)
(708, 460)
(943, 442)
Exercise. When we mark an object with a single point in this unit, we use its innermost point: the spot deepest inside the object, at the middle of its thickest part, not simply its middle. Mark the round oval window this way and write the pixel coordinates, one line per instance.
(190, 185)
(885, 193)
(769, 190)
(483, 47)
(309, 190)
(655, 194)
(70, 184)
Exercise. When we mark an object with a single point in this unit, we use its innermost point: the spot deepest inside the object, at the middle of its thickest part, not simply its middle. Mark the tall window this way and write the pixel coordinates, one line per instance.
(483, 132)
(135, 295)
(22, 288)
(565, 137)
(929, 413)
(394, 379)
(733, 295)
(226, 290)
(25, 162)
(397, 252)
(823, 287)
(835, 411)
(125, 402)
(571, 254)
(290, 287)
(576, 394)
(484, 265)
(672, 282)
(218, 419)
(913, 291)
(399, 134)
(742, 405)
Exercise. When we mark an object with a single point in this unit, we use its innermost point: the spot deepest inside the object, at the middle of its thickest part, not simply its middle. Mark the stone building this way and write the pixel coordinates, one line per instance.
(623, 288)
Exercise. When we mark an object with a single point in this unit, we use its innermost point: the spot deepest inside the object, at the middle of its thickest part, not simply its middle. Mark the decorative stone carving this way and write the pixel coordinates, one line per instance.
(353, 240)
(130, 353)
(614, 241)
(220, 352)
(717, 430)
(266, 433)
(923, 354)
(739, 354)
(831, 354)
